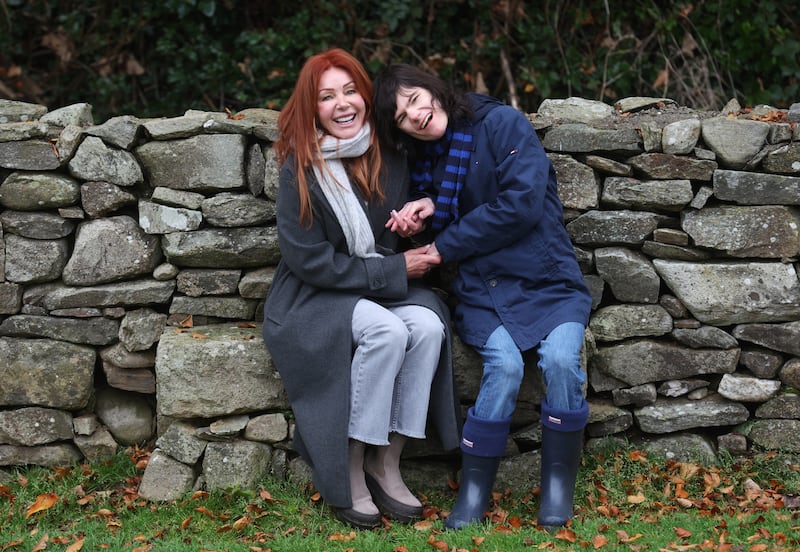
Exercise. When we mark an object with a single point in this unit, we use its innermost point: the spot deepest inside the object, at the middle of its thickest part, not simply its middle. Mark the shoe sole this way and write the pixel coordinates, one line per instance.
(391, 508)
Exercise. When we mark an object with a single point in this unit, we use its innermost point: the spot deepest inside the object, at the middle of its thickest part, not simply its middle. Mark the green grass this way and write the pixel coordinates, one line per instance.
(625, 500)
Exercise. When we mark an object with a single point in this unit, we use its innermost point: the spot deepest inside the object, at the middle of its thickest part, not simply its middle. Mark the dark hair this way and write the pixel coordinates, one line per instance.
(397, 76)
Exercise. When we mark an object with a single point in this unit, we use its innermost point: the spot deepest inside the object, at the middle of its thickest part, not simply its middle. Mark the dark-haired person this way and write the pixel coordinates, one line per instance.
(362, 346)
(487, 194)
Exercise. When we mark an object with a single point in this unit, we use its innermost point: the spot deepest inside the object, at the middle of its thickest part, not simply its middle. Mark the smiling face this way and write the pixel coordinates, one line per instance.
(341, 110)
(419, 115)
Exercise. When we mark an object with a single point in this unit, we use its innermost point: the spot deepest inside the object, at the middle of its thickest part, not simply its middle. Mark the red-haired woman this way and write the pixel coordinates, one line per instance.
(362, 346)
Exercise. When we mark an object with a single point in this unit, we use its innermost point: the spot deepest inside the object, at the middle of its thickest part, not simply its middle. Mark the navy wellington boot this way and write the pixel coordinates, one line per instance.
(562, 445)
(483, 443)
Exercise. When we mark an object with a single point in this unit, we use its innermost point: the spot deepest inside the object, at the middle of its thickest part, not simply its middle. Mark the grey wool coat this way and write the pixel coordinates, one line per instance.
(308, 315)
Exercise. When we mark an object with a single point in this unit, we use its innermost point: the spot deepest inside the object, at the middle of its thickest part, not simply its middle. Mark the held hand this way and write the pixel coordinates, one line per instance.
(419, 261)
(410, 219)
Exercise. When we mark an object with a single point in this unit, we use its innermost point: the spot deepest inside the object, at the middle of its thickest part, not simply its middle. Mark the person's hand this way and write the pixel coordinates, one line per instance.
(410, 220)
(419, 261)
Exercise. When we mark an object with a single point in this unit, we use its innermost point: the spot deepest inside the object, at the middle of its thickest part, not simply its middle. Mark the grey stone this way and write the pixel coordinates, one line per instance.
(643, 361)
(725, 293)
(735, 141)
(109, 250)
(46, 372)
(32, 426)
(95, 161)
(128, 416)
(236, 464)
(195, 379)
(671, 415)
(165, 478)
(36, 191)
(749, 231)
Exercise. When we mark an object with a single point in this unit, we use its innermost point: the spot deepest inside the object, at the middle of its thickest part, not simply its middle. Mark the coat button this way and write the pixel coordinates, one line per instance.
(493, 283)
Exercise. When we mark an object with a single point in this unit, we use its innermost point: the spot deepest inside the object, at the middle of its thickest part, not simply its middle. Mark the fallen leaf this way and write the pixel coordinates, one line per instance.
(423, 525)
(682, 533)
(43, 502)
(599, 541)
(566, 534)
(342, 537)
(41, 545)
(204, 510)
(638, 498)
(241, 523)
(75, 546)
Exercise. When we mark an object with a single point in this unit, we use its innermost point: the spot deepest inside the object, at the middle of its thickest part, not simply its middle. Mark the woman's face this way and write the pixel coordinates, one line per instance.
(419, 115)
(341, 110)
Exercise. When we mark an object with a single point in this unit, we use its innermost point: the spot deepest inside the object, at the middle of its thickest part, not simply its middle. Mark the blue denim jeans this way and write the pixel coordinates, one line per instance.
(503, 367)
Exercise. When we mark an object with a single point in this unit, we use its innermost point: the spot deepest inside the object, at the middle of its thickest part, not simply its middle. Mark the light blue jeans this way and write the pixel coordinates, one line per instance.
(503, 367)
(396, 355)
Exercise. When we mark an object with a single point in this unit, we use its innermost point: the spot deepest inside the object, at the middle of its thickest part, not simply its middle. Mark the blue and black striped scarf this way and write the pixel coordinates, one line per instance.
(458, 146)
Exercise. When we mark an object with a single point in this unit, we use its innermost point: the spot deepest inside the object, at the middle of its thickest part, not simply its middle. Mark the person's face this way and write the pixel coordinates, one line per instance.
(341, 110)
(419, 115)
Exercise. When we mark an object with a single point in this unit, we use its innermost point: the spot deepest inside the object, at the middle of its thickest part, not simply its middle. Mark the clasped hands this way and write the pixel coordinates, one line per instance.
(410, 220)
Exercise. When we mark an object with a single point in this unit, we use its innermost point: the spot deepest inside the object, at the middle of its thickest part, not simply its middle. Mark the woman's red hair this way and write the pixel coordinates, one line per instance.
(297, 125)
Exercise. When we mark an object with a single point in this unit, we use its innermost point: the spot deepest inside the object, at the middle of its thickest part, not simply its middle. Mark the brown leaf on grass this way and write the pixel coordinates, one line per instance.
(478, 540)
(438, 544)
(185, 523)
(316, 497)
(624, 538)
(637, 456)
(342, 537)
(61, 472)
(424, 525)
(241, 523)
(400, 548)
(682, 533)
(43, 502)
(199, 495)
(637, 498)
(6, 493)
(566, 534)
(205, 511)
(430, 512)
(41, 545)
(688, 470)
(599, 541)
(75, 546)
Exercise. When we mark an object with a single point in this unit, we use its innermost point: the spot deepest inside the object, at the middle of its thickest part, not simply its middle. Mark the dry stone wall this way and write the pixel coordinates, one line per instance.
(136, 255)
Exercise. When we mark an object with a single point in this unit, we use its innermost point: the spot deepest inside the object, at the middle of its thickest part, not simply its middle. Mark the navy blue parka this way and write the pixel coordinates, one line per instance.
(516, 263)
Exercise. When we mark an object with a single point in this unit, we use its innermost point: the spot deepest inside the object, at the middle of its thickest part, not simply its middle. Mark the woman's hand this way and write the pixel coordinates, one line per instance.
(419, 261)
(410, 219)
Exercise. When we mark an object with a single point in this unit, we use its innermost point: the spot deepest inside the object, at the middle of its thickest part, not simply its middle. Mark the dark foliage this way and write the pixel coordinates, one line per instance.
(161, 58)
